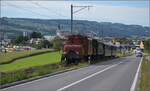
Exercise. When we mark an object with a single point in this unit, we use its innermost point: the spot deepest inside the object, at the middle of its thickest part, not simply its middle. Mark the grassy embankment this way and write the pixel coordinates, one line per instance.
(144, 84)
(35, 66)
(32, 66)
(38, 60)
(10, 57)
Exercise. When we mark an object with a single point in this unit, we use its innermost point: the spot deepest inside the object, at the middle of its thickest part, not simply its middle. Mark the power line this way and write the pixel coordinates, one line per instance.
(49, 10)
(28, 10)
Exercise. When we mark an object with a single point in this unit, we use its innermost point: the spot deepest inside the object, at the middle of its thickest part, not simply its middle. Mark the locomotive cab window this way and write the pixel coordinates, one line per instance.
(80, 40)
(71, 40)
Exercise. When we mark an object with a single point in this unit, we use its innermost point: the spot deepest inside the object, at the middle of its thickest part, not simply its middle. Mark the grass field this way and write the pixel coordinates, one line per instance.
(38, 60)
(7, 57)
(144, 84)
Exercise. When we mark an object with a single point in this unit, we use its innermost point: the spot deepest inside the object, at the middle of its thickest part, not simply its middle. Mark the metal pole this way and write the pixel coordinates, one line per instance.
(82, 7)
(149, 45)
(71, 17)
(102, 35)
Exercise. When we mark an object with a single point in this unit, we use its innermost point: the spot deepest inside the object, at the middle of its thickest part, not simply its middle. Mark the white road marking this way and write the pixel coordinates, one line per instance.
(136, 77)
(65, 87)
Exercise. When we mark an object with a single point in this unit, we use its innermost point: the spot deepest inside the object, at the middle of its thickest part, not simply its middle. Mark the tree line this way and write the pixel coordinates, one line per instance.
(21, 40)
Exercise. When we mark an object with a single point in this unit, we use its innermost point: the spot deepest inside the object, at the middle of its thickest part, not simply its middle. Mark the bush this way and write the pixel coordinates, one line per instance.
(57, 43)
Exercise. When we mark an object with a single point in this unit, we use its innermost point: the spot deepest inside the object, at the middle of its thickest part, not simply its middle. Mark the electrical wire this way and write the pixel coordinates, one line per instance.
(12, 5)
(49, 10)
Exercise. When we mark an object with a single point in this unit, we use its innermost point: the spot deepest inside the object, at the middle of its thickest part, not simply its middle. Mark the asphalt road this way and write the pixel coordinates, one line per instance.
(114, 75)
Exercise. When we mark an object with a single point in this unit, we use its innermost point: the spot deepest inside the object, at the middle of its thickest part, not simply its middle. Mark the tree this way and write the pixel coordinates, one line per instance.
(57, 43)
(121, 40)
(36, 46)
(19, 40)
(45, 44)
(35, 35)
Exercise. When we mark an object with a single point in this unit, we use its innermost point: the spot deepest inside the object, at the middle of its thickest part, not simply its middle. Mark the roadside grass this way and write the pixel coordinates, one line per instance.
(38, 60)
(10, 57)
(123, 55)
(144, 84)
(35, 72)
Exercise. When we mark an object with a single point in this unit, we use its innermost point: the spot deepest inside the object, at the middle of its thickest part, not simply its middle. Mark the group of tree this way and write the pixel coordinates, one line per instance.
(35, 35)
(43, 44)
(123, 40)
(19, 40)
(56, 43)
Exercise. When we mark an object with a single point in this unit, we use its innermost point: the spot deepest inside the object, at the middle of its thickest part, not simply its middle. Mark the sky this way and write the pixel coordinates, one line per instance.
(127, 12)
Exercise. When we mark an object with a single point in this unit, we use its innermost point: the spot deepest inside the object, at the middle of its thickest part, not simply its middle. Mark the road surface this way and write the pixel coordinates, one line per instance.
(114, 75)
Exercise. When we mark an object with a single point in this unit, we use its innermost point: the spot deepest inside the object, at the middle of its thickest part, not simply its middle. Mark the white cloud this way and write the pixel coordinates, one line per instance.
(121, 13)
(61, 10)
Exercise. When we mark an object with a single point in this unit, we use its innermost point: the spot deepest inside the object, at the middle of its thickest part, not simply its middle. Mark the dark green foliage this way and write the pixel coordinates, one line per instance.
(123, 40)
(36, 46)
(57, 43)
(19, 40)
(35, 35)
(42, 44)
(45, 44)
(15, 26)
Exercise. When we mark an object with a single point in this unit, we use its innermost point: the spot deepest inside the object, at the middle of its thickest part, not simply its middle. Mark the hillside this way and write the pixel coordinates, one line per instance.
(14, 26)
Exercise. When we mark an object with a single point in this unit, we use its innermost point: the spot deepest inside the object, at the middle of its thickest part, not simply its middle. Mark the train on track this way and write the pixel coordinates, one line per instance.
(81, 47)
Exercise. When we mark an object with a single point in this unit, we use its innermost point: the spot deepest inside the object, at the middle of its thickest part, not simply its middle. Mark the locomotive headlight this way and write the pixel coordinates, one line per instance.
(77, 52)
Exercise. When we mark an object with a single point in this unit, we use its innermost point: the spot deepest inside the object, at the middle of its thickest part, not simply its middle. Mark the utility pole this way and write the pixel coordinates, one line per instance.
(71, 17)
(149, 43)
(73, 12)
(102, 35)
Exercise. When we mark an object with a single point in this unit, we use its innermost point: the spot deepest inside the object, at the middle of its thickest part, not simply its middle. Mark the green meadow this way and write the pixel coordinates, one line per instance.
(33, 61)
(7, 57)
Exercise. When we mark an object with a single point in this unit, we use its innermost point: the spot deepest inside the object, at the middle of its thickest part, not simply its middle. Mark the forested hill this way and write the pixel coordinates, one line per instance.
(15, 26)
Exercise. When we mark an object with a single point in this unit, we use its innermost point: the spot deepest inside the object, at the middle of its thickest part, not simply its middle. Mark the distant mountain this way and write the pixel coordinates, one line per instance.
(14, 26)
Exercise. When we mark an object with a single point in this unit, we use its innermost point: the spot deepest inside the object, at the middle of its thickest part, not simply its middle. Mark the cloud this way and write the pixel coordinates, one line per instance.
(120, 13)
(61, 10)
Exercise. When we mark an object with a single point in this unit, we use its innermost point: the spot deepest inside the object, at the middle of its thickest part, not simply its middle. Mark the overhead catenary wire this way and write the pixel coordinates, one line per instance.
(59, 14)
(15, 6)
